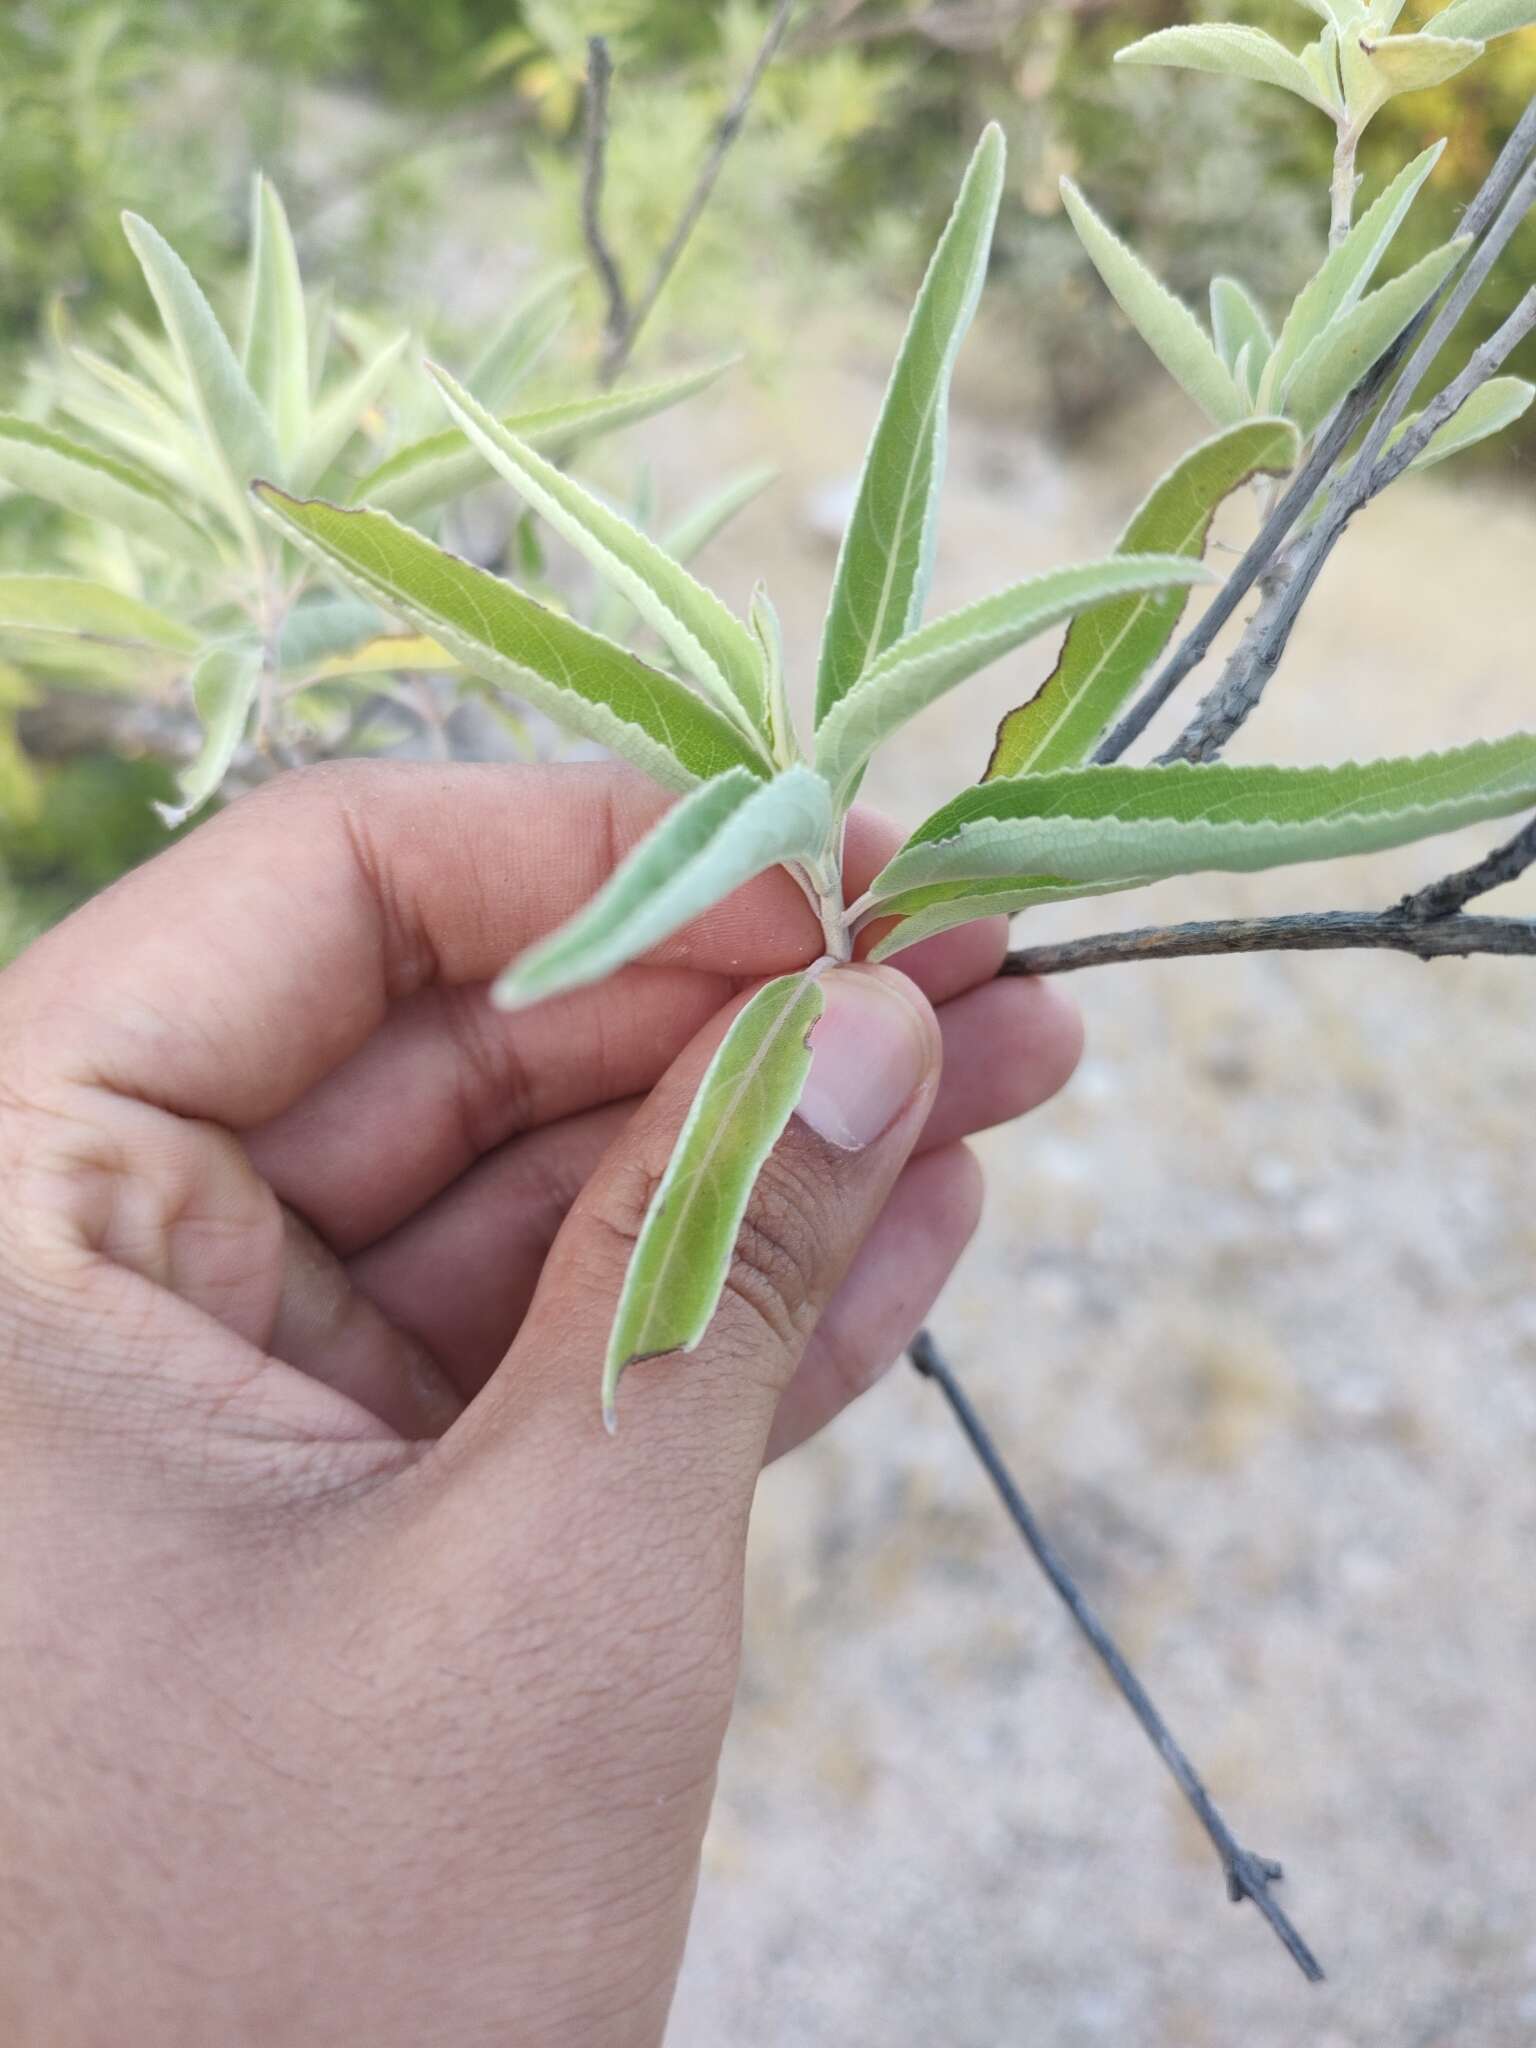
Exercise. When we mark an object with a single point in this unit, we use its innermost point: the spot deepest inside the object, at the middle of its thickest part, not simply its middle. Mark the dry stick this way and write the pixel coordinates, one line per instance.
(1495, 192)
(625, 321)
(1444, 898)
(1309, 931)
(1248, 1876)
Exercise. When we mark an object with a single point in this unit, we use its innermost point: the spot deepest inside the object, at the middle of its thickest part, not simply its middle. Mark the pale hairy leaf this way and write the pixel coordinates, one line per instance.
(514, 352)
(1164, 323)
(1320, 60)
(1410, 63)
(1346, 272)
(233, 419)
(68, 473)
(224, 686)
(1491, 408)
(1484, 19)
(341, 413)
(74, 606)
(1238, 326)
(1230, 52)
(426, 473)
(1334, 364)
(1109, 648)
(710, 643)
(583, 682)
(1093, 824)
(925, 913)
(886, 558)
(614, 614)
(276, 353)
(386, 654)
(919, 669)
(715, 839)
(769, 635)
(682, 1259)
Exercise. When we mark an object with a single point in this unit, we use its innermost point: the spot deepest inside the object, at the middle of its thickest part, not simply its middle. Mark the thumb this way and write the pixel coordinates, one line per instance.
(875, 1056)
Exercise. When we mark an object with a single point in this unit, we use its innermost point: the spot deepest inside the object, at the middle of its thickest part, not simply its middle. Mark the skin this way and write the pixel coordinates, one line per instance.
(358, 1687)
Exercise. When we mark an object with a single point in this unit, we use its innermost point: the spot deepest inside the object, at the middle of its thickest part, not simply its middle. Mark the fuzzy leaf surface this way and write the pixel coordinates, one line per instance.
(1484, 19)
(719, 836)
(512, 354)
(712, 644)
(1237, 325)
(1491, 408)
(583, 682)
(81, 480)
(224, 686)
(886, 558)
(679, 1266)
(1229, 52)
(917, 670)
(1334, 364)
(1110, 648)
(340, 414)
(1093, 824)
(1164, 323)
(1411, 63)
(78, 608)
(276, 357)
(925, 913)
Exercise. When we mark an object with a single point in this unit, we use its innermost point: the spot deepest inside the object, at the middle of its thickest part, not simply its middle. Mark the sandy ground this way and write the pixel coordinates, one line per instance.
(1254, 1310)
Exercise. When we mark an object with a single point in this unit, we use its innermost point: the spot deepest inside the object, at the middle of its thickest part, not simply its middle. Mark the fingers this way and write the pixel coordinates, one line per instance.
(893, 1283)
(701, 1422)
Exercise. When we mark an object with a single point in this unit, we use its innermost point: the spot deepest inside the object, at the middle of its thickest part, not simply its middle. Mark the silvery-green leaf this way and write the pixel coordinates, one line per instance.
(682, 1259)
(427, 473)
(886, 557)
(1228, 51)
(710, 643)
(65, 472)
(1238, 325)
(1095, 824)
(719, 836)
(581, 681)
(769, 635)
(138, 425)
(1484, 19)
(155, 359)
(1491, 408)
(1339, 13)
(231, 415)
(1341, 355)
(324, 625)
(1164, 323)
(224, 686)
(1346, 271)
(925, 913)
(1410, 63)
(697, 527)
(276, 354)
(1320, 61)
(1109, 648)
(340, 413)
(513, 353)
(73, 606)
(920, 668)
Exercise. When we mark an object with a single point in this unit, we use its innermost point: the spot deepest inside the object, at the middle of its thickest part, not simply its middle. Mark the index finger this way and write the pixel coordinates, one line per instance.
(228, 976)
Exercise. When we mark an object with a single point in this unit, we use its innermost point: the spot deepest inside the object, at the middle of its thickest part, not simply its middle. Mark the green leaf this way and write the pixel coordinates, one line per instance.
(340, 414)
(1484, 19)
(692, 533)
(1334, 364)
(886, 557)
(718, 837)
(1346, 271)
(1164, 323)
(1110, 648)
(1228, 51)
(1491, 408)
(512, 354)
(910, 675)
(224, 686)
(426, 473)
(229, 412)
(68, 473)
(1402, 64)
(1238, 325)
(276, 354)
(1320, 61)
(583, 682)
(72, 606)
(680, 1264)
(769, 635)
(1094, 824)
(712, 645)
(925, 913)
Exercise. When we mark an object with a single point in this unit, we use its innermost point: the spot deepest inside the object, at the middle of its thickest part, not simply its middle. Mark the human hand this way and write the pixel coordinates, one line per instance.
(357, 1686)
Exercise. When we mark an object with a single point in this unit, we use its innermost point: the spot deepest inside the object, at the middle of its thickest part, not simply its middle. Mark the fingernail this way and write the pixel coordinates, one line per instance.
(870, 1053)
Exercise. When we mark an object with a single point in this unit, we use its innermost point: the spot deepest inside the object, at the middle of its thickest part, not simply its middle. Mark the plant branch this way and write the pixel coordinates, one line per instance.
(1500, 204)
(1399, 930)
(594, 172)
(1248, 1876)
(1444, 898)
(624, 321)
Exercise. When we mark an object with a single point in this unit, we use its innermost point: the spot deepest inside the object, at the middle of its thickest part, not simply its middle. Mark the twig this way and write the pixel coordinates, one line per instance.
(1399, 930)
(1493, 203)
(624, 321)
(1443, 898)
(1248, 1876)
(594, 169)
